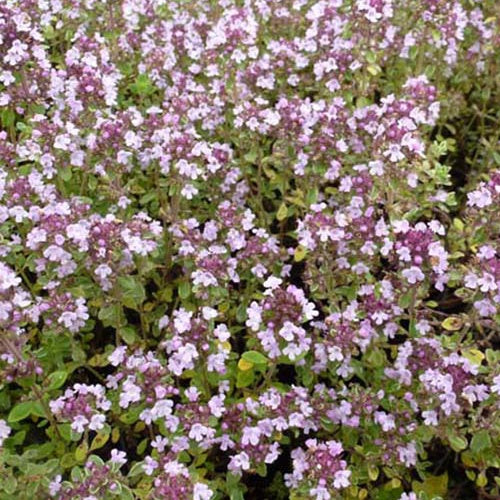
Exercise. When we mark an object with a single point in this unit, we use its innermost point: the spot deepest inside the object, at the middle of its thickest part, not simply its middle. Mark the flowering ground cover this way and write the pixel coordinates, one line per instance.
(249, 249)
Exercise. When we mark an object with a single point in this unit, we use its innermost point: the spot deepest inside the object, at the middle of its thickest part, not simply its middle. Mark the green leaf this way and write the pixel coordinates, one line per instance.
(141, 447)
(251, 156)
(236, 495)
(457, 443)
(136, 469)
(491, 356)
(244, 365)
(65, 174)
(374, 69)
(475, 356)
(244, 378)
(376, 358)
(349, 292)
(132, 291)
(405, 300)
(373, 472)
(307, 377)
(76, 474)
(37, 409)
(68, 460)
(97, 460)
(8, 117)
(126, 493)
(282, 212)
(65, 431)
(148, 197)
(81, 451)
(452, 323)
(111, 315)
(56, 379)
(100, 440)
(261, 469)
(184, 290)
(254, 357)
(371, 57)
(413, 52)
(458, 224)
(234, 487)
(17, 438)
(482, 480)
(131, 416)
(312, 196)
(432, 486)
(142, 85)
(9, 485)
(20, 411)
(241, 312)
(127, 333)
(387, 493)
(480, 441)
(299, 254)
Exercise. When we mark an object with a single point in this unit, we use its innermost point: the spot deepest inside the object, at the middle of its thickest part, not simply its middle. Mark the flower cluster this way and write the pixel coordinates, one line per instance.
(83, 405)
(249, 248)
(318, 470)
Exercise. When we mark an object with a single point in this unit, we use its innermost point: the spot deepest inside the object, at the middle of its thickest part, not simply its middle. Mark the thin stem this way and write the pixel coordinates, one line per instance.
(48, 414)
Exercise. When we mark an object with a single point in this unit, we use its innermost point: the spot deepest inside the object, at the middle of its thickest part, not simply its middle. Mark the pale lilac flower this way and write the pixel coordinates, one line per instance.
(117, 356)
(97, 422)
(251, 435)
(150, 465)
(55, 485)
(430, 417)
(131, 393)
(496, 385)
(341, 479)
(5, 431)
(413, 275)
(239, 462)
(79, 423)
(202, 492)
(118, 457)
(408, 496)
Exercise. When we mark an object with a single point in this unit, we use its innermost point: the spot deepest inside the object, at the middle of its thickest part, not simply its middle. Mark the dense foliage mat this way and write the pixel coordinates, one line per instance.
(249, 249)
